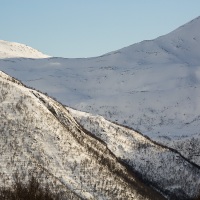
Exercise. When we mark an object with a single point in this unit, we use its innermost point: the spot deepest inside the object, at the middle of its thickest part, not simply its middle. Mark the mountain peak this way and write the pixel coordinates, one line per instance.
(194, 21)
(181, 45)
(15, 50)
(191, 27)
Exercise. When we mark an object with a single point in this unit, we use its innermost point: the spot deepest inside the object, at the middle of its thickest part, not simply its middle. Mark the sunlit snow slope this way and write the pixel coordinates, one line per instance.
(152, 86)
(15, 50)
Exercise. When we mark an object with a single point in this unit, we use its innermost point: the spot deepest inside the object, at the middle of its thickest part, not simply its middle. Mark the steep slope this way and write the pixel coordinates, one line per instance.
(39, 134)
(15, 50)
(151, 86)
(180, 46)
(163, 167)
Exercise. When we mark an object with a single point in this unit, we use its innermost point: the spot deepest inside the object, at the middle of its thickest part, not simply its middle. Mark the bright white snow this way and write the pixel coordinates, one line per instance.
(15, 50)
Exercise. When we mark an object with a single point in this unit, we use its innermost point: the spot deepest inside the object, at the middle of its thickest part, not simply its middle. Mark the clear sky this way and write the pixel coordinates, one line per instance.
(86, 28)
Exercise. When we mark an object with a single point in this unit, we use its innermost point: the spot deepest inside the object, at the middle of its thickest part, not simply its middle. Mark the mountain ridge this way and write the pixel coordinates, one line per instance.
(195, 23)
(106, 54)
(38, 131)
(143, 155)
(54, 111)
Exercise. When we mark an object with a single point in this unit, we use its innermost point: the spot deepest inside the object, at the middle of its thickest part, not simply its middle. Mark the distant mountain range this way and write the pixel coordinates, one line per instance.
(152, 87)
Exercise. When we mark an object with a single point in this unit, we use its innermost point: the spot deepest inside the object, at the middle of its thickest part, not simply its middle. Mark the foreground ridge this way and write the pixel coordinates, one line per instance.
(163, 167)
(38, 134)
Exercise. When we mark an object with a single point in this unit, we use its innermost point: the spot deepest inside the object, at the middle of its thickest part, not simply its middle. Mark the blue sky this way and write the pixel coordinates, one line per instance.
(86, 28)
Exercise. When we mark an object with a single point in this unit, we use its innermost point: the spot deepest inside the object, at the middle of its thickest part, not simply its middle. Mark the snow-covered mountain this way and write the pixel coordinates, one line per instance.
(15, 50)
(38, 134)
(101, 160)
(151, 86)
(163, 167)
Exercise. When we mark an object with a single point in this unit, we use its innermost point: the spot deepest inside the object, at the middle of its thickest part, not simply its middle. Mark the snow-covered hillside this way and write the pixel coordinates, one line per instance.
(15, 50)
(164, 167)
(38, 134)
(152, 86)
